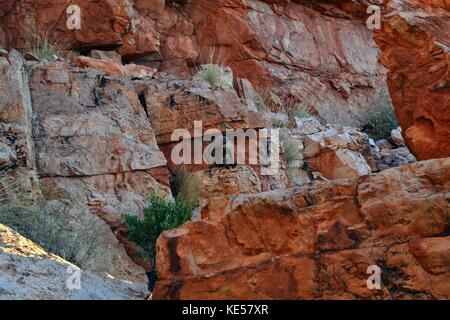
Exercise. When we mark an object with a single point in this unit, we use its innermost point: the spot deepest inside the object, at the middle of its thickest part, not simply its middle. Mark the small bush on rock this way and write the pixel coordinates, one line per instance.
(160, 215)
(45, 46)
(381, 122)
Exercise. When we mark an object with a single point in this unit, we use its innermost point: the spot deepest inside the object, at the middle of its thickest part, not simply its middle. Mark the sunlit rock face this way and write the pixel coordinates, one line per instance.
(321, 52)
(415, 42)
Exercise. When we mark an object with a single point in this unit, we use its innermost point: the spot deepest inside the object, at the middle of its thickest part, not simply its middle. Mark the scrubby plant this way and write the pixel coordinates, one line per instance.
(212, 68)
(161, 214)
(45, 46)
(47, 223)
(381, 121)
(212, 74)
(292, 154)
(185, 185)
(261, 98)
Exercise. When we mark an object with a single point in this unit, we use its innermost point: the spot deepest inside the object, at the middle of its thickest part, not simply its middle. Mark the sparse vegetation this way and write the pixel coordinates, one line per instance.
(212, 74)
(295, 109)
(160, 215)
(261, 98)
(47, 223)
(292, 154)
(212, 69)
(45, 46)
(185, 186)
(381, 122)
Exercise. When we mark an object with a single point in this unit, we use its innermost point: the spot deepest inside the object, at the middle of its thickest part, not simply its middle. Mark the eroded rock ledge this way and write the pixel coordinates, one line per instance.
(317, 241)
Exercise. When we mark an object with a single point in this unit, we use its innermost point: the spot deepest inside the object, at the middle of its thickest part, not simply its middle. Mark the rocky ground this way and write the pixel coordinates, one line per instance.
(91, 133)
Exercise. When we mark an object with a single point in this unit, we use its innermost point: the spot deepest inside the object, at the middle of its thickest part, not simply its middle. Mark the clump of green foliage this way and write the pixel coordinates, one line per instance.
(212, 68)
(381, 122)
(160, 215)
(212, 74)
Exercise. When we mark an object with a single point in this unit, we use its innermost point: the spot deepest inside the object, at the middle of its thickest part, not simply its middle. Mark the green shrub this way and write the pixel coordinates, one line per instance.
(46, 46)
(160, 215)
(381, 122)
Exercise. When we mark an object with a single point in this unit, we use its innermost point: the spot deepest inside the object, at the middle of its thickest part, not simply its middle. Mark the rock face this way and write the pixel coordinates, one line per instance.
(87, 137)
(317, 241)
(274, 44)
(16, 143)
(30, 273)
(415, 42)
(177, 104)
(94, 143)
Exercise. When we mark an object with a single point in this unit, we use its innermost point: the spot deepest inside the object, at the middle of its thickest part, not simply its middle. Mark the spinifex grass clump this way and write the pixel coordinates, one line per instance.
(161, 214)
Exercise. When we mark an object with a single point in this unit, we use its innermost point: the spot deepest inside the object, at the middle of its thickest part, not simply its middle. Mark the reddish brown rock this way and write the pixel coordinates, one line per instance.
(323, 237)
(274, 44)
(415, 42)
(95, 144)
(113, 68)
(178, 104)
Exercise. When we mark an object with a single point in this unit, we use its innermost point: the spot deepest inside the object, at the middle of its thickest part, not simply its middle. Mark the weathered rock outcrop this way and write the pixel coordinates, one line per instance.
(27, 272)
(88, 139)
(177, 104)
(95, 144)
(274, 44)
(17, 157)
(317, 241)
(415, 42)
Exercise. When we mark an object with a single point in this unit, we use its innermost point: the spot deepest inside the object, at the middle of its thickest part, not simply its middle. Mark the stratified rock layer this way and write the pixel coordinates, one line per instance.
(317, 241)
(415, 43)
(320, 52)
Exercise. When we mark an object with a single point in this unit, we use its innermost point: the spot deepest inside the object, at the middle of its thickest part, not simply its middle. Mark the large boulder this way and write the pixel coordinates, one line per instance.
(317, 241)
(415, 42)
(30, 273)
